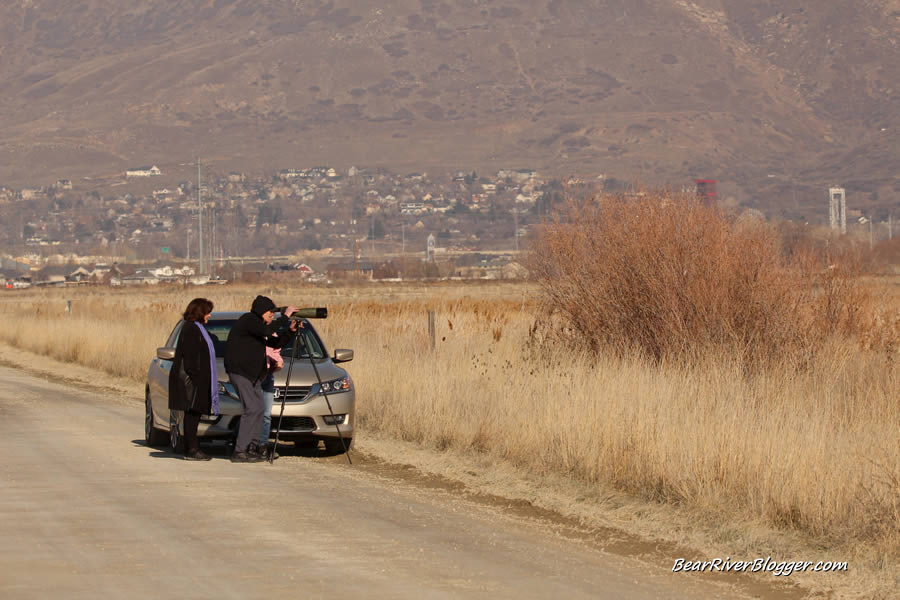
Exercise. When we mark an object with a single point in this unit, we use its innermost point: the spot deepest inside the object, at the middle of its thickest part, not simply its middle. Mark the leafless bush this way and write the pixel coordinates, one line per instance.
(670, 277)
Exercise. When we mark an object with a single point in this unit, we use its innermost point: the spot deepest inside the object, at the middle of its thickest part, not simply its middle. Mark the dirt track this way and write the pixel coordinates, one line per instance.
(86, 509)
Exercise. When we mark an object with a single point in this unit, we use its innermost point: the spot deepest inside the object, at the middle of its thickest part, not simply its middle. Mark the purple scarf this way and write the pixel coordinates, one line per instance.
(213, 369)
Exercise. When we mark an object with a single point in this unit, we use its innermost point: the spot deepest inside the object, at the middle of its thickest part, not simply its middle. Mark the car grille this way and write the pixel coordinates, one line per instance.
(294, 424)
(294, 393)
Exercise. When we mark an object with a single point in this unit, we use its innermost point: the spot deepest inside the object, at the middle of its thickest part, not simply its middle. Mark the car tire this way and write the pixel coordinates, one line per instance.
(152, 436)
(333, 445)
(176, 442)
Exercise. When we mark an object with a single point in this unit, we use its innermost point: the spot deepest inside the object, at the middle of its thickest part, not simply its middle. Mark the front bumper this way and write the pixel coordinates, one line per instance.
(308, 418)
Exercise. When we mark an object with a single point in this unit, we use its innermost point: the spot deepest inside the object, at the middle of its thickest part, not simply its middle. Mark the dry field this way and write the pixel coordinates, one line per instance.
(812, 455)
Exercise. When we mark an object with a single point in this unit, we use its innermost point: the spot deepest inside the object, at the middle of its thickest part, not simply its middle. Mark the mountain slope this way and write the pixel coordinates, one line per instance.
(660, 90)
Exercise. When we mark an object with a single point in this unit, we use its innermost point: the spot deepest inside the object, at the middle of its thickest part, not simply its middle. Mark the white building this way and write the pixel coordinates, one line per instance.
(143, 171)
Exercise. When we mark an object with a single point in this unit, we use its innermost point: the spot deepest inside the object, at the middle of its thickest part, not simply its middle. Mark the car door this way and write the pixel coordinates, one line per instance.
(159, 379)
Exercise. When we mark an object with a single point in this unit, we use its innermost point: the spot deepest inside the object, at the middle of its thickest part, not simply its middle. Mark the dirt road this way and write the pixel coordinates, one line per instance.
(87, 510)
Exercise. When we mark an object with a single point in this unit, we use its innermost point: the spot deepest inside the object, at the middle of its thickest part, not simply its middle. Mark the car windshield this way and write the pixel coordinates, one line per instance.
(218, 331)
(220, 328)
(309, 341)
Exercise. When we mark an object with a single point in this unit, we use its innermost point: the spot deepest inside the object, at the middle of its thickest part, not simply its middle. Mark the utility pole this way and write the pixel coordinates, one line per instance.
(217, 257)
(403, 238)
(516, 224)
(890, 226)
(871, 237)
(200, 215)
(215, 241)
(189, 243)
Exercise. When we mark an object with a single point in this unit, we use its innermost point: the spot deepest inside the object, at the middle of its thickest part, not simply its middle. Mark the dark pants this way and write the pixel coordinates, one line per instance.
(251, 397)
(191, 422)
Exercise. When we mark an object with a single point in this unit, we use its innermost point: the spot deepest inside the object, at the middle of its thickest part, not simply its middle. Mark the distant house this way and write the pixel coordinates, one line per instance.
(140, 278)
(143, 171)
(78, 275)
(53, 281)
(412, 208)
(64, 184)
(308, 173)
(168, 273)
(517, 175)
(351, 270)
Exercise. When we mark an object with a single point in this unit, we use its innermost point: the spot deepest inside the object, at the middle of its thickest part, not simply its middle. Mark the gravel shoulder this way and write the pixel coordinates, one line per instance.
(86, 506)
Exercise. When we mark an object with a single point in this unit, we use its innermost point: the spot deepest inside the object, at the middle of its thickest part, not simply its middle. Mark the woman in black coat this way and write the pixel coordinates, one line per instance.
(193, 380)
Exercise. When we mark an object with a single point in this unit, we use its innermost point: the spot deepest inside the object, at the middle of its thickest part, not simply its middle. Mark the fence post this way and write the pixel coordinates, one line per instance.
(431, 333)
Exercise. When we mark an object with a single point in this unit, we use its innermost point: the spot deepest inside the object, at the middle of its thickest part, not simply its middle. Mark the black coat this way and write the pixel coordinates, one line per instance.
(245, 353)
(192, 353)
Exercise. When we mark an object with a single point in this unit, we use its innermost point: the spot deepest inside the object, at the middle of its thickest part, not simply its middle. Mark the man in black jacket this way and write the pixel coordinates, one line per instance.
(245, 362)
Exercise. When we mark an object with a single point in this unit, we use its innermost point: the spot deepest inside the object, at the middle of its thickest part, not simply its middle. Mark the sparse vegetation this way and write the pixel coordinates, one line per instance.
(811, 452)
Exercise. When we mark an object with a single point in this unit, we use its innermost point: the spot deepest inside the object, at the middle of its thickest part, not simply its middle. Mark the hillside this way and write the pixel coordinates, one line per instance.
(774, 99)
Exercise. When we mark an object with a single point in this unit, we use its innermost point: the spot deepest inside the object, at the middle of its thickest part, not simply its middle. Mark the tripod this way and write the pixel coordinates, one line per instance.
(299, 340)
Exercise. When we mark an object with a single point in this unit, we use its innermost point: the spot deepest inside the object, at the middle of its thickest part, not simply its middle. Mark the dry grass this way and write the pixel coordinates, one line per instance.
(814, 452)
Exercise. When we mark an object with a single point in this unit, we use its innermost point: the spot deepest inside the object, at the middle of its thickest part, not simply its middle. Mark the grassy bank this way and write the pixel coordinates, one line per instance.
(814, 453)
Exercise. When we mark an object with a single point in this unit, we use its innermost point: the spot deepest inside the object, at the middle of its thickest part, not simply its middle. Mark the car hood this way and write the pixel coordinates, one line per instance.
(302, 373)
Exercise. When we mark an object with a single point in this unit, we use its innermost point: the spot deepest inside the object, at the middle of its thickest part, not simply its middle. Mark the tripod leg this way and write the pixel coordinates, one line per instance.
(287, 384)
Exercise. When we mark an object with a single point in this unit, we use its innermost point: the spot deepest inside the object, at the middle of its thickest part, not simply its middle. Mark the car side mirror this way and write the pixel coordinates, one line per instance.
(342, 355)
(165, 353)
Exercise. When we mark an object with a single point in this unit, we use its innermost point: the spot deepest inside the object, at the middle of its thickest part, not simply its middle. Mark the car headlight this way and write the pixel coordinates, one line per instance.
(227, 388)
(338, 385)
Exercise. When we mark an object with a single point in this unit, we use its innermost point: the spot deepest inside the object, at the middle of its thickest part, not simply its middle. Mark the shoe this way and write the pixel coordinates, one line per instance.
(268, 452)
(196, 455)
(256, 448)
(246, 457)
(264, 450)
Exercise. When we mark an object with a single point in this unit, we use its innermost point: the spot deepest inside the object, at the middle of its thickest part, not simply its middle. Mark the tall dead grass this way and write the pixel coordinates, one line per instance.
(812, 451)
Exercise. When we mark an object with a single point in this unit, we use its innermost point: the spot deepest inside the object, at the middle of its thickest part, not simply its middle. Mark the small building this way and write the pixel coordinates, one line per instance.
(362, 269)
(143, 171)
(78, 275)
(412, 208)
(140, 278)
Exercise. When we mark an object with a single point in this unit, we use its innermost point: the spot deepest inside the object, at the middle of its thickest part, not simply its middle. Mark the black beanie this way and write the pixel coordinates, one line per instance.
(262, 304)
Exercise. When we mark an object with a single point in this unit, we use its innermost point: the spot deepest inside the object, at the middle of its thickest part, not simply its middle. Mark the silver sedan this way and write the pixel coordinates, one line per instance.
(307, 417)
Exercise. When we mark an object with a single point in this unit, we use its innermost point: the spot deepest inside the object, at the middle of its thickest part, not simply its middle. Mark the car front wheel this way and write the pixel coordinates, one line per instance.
(152, 435)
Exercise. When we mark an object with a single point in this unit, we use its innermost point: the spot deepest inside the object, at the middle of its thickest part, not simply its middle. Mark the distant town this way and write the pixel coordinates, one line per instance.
(143, 227)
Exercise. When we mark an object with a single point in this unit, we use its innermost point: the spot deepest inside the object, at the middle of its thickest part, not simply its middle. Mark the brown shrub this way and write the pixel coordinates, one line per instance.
(670, 277)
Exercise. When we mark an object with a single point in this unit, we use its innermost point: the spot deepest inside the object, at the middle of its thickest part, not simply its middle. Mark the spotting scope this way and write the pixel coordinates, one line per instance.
(320, 312)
